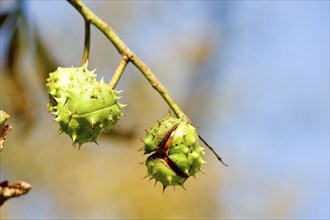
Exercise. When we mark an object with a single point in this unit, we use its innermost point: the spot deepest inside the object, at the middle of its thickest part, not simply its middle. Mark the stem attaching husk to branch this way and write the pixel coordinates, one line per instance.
(125, 51)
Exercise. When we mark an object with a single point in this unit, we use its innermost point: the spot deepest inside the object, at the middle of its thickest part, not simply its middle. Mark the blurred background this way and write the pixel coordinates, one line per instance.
(253, 76)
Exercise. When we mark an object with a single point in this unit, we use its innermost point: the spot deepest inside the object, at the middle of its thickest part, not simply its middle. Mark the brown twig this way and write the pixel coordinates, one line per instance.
(16, 189)
(4, 129)
(213, 151)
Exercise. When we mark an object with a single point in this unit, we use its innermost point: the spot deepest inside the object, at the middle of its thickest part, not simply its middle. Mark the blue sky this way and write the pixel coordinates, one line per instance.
(279, 57)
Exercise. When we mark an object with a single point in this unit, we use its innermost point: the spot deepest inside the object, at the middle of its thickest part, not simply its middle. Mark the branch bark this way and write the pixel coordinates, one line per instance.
(85, 55)
(107, 30)
(4, 129)
(16, 189)
(119, 71)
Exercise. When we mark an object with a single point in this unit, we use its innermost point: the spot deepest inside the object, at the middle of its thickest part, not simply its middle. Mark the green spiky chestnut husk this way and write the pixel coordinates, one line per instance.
(84, 107)
(160, 133)
(176, 153)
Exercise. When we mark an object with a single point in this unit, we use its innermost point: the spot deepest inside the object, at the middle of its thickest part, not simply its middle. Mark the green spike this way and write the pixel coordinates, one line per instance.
(164, 187)
(74, 137)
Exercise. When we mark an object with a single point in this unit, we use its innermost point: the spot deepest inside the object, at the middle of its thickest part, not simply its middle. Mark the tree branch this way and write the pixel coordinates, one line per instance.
(16, 189)
(85, 55)
(125, 51)
(118, 72)
(4, 129)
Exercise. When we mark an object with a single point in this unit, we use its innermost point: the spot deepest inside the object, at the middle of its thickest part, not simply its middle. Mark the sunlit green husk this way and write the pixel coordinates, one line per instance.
(184, 151)
(84, 107)
(161, 172)
(156, 134)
